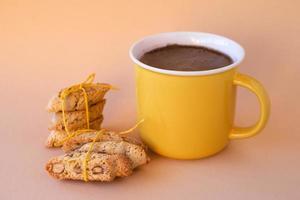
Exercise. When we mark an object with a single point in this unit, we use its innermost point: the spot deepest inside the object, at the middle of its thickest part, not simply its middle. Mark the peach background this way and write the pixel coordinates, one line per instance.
(45, 45)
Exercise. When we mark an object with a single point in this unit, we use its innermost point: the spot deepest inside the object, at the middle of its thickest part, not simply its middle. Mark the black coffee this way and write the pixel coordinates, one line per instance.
(185, 58)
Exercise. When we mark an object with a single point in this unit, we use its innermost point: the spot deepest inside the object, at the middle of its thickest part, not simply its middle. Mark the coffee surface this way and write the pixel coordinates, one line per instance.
(185, 58)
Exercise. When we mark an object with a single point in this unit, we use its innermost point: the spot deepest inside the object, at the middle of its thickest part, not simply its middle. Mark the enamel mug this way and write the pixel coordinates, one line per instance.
(190, 114)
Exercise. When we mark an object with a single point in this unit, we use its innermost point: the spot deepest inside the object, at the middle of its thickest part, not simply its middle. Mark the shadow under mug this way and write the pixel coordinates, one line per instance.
(190, 114)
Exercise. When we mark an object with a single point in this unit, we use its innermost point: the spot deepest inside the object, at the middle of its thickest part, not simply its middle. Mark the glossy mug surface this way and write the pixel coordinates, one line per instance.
(190, 114)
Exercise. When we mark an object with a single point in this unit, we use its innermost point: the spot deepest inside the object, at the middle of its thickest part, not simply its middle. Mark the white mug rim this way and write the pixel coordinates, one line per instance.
(214, 37)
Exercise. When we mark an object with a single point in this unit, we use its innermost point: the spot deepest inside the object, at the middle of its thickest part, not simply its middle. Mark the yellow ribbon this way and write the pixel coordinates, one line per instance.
(131, 129)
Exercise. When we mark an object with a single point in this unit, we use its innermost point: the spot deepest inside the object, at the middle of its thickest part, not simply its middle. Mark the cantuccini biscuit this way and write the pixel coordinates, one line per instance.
(75, 101)
(56, 137)
(101, 167)
(79, 140)
(134, 152)
(76, 119)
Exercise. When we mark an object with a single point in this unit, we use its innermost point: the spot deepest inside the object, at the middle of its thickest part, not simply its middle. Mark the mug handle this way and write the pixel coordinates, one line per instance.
(255, 87)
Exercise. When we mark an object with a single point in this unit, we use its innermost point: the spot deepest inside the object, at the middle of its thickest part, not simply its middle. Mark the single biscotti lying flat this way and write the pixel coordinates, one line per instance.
(56, 138)
(100, 167)
(135, 153)
(75, 101)
(76, 119)
(79, 140)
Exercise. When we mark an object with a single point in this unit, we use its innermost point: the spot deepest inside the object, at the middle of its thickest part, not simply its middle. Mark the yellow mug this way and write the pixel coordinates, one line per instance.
(189, 114)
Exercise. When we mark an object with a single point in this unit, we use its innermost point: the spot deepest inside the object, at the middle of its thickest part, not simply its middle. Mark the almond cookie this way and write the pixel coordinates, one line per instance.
(100, 167)
(75, 101)
(56, 138)
(134, 152)
(79, 140)
(76, 119)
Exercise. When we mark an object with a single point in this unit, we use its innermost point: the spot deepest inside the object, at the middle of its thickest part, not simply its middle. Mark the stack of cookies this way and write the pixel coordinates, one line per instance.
(112, 155)
(75, 112)
(91, 153)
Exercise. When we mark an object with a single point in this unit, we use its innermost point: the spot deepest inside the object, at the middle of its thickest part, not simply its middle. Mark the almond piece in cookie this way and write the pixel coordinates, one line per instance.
(100, 167)
(77, 119)
(75, 101)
